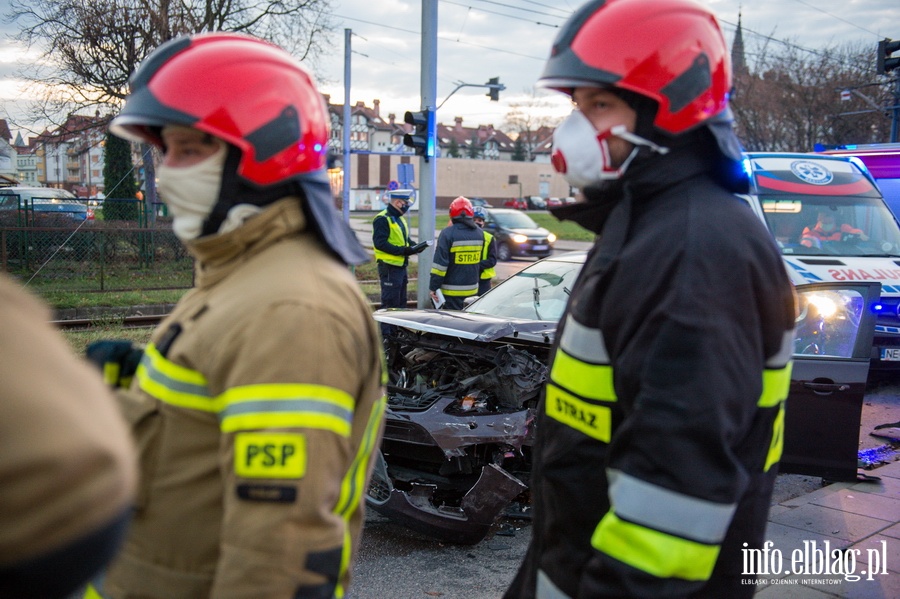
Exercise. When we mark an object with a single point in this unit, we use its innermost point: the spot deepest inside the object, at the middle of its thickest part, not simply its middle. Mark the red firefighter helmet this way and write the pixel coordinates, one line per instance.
(243, 90)
(461, 207)
(671, 51)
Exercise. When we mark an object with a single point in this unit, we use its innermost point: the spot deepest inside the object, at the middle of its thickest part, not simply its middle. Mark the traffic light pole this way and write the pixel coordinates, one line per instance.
(427, 168)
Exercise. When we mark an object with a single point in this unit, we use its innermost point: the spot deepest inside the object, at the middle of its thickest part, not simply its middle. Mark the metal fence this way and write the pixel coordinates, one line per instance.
(63, 253)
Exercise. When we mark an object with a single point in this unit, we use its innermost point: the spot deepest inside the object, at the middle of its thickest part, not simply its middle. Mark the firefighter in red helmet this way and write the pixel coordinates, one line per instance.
(659, 431)
(257, 403)
(456, 266)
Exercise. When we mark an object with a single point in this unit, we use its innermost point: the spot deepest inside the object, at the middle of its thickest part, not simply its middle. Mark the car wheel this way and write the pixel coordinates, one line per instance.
(503, 252)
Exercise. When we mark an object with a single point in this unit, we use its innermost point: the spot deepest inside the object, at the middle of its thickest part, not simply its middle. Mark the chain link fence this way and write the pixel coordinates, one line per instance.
(118, 245)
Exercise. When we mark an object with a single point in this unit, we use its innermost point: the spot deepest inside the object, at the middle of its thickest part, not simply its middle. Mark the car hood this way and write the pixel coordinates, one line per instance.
(468, 325)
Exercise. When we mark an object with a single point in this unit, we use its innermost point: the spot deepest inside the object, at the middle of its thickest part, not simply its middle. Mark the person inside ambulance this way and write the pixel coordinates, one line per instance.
(658, 433)
(826, 229)
(258, 401)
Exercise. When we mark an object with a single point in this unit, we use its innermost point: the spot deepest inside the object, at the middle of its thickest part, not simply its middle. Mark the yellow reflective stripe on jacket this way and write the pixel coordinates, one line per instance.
(487, 273)
(398, 236)
(592, 420)
(654, 552)
(776, 445)
(593, 381)
(272, 405)
(354, 484)
(173, 384)
(776, 386)
(290, 405)
(460, 290)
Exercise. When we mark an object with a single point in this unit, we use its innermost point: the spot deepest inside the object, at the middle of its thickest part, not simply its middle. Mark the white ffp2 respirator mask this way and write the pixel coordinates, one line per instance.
(581, 154)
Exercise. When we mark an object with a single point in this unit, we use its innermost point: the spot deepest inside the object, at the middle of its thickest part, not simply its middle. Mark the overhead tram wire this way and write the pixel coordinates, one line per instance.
(491, 12)
(841, 19)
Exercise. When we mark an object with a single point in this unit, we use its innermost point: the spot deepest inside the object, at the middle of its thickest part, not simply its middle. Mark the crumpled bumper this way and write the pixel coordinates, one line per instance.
(467, 524)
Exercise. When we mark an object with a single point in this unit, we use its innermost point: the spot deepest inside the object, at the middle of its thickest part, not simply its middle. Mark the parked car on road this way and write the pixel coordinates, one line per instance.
(517, 235)
(479, 202)
(516, 204)
(554, 202)
(43, 206)
(464, 385)
(536, 203)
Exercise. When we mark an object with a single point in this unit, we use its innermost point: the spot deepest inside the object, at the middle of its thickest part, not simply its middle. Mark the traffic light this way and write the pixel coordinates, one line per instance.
(495, 87)
(420, 139)
(886, 63)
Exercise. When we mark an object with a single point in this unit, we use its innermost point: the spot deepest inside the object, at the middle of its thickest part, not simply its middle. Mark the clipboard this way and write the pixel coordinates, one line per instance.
(421, 246)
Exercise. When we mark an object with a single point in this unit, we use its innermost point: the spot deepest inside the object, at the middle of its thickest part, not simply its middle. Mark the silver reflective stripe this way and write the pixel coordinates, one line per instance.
(583, 343)
(784, 354)
(668, 511)
(546, 589)
(470, 243)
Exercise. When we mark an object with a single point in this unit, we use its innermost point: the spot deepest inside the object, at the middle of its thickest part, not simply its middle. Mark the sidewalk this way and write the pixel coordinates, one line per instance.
(860, 519)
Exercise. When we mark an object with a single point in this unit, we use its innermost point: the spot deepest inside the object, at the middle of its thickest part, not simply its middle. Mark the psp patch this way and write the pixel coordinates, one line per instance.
(270, 455)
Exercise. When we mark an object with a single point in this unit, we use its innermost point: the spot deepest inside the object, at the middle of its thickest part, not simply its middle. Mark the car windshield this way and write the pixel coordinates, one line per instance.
(539, 292)
(862, 226)
(514, 220)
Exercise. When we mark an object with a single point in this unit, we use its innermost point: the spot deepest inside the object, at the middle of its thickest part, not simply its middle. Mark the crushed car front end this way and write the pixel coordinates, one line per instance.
(460, 421)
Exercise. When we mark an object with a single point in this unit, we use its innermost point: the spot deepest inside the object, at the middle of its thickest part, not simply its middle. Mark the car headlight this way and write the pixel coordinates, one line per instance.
(519, 238)
(828, 322)
(551, 237)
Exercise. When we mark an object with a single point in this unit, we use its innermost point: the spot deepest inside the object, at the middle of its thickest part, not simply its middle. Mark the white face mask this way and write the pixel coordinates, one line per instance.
(582, 156)
(191, 192)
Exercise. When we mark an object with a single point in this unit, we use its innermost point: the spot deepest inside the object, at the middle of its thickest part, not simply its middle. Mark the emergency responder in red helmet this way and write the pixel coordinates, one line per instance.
(456, 266)
(658, 434)
(258, 401)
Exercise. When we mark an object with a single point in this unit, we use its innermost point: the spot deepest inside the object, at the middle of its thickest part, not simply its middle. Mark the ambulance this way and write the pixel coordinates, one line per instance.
(883, 162)
(832, 224)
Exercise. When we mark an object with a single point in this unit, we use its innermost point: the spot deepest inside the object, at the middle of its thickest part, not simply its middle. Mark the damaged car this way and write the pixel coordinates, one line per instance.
(464, 386)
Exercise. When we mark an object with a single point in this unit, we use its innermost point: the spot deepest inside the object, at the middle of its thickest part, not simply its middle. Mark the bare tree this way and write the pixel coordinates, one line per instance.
(789, 98)
(530, 122)
(89, 48)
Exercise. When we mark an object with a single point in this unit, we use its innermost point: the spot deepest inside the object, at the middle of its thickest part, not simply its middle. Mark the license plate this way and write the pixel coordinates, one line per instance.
(890, 353)
(539, 248)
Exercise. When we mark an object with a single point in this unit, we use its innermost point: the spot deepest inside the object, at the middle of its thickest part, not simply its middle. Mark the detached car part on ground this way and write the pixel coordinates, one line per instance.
(464, 387)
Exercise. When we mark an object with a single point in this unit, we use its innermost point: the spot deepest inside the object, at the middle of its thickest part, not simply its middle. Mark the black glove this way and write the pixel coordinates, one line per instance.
(408, 251)
(419, 247)
(117, 360)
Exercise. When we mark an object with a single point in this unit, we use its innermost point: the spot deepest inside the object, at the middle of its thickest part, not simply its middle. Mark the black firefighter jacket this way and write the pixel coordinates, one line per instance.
(659, 431)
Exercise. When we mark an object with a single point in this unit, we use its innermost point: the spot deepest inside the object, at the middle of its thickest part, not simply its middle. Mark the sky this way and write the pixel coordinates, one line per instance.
(509, 39)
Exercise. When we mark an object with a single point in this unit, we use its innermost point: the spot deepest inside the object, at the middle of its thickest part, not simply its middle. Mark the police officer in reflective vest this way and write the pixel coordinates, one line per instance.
(488, 254)
(390, 238)
(660, 429)
(456, 267)
(258, 402)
